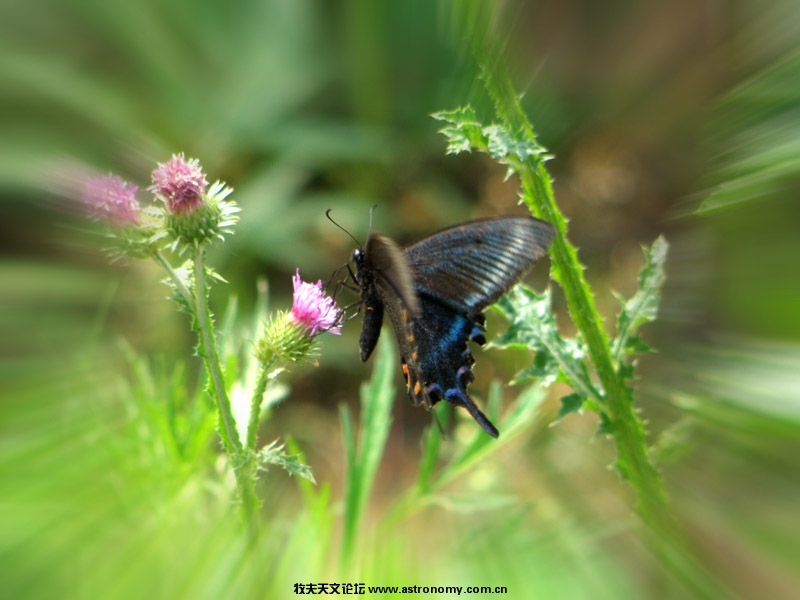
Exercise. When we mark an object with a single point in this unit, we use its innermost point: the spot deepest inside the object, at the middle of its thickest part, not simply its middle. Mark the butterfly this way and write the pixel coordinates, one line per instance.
(435, 292)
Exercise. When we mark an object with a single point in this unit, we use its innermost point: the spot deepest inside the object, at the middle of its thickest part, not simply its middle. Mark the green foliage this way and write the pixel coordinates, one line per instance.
(115, 484)
(479, 447)
(172, 421)
(464, 133)
(513, 143)
(273, 454)
(758, 150)
(467, 454)
(642, 307)
(365, 448)
(533, 326)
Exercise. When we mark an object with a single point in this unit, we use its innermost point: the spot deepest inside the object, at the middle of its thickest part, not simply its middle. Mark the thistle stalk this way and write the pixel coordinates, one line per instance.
(243, 463)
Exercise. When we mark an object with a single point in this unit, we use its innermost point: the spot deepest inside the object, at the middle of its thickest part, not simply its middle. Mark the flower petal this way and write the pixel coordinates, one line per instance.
(313, 309)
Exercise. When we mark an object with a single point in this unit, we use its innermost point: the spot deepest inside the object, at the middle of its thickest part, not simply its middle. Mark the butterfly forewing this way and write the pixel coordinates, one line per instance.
(385, 282)
(470, 266)
(391, 271)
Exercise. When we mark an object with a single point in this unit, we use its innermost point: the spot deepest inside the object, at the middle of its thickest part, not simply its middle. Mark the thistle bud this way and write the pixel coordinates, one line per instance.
(111, 200)
(180, 183)
(194, 212)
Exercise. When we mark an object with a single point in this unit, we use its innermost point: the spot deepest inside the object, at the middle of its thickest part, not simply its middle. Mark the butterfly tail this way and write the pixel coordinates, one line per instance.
(460, 398)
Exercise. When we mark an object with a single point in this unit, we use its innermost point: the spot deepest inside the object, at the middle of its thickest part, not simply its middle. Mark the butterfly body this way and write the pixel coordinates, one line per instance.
(435, 292)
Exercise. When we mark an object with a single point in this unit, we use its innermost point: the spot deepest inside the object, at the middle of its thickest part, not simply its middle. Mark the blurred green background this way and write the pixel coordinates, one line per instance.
(680, 117)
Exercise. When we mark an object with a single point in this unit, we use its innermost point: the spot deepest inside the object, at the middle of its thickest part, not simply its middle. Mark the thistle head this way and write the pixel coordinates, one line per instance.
(289, 336)
(313, 309)
(194, 212)
(111, 199)
(180, 183)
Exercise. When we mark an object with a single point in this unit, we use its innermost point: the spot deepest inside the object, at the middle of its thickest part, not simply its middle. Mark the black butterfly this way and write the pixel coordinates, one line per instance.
(435, 292)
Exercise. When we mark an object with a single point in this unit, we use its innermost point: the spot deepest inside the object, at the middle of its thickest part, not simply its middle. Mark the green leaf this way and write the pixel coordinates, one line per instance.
(642, 307)
(606, 424)
(545, 369)
(431, 442)
(501, 145)
(522, 414)
(635, 345)
(570, 404)
(273, 454)
(363, 457)
(307, 489)
(469, 504)
(627, 371)
(757, 139)
(533, 326)
(463, 132)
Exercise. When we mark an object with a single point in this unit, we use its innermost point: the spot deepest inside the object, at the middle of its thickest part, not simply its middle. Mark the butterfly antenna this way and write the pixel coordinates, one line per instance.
(352, 237)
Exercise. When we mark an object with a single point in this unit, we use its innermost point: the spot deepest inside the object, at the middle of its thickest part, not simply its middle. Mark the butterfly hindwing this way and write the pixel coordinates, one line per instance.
(446, 363)
(435, 292)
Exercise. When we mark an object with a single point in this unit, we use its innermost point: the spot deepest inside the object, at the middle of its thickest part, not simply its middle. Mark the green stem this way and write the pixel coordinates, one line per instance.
(182, 289)
(230, 437)
(568, 271)
(617, 401)
(243, 462)
(255, 404)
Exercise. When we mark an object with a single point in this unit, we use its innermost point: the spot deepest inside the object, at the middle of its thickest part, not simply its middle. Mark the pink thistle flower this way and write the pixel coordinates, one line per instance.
(313, 309)
(112, 199)
(181, 183)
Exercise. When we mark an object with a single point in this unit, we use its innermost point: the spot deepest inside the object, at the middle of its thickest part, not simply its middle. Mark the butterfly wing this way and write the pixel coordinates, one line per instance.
(470, 266)
(444, 362)
(457, 273)
(385, 282)
(391, 270)
(386, 285)
(435, 292)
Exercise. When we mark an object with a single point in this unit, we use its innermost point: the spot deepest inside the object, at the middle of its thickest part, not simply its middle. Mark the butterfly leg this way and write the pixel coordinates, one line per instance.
(343, 317)
(346, 284)
(343, 284)
(337, 271)
(349, 282)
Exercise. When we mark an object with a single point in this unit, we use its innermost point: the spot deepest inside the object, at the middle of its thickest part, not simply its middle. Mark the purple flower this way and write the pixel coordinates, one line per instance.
(110, 198)
(181, 183)
(313, 309)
